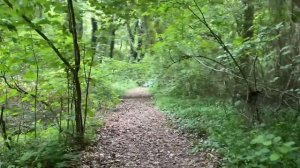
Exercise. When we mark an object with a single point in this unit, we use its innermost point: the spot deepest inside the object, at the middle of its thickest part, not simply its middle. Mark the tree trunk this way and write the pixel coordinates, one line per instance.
(75, 72)
(89, 72)
(250, 94)
(140, 40)
(3, 128)
(94, 29)
(247, 33)
(133, 52)
(112, 30)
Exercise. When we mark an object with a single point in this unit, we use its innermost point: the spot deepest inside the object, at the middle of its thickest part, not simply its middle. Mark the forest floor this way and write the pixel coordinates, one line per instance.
(136, 135)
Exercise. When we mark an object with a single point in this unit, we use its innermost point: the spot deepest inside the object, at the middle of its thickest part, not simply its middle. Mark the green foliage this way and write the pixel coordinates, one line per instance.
(225, 132)
(46, 154)
(123, 75)
(183, 54)
(47, 151)
(195, 73)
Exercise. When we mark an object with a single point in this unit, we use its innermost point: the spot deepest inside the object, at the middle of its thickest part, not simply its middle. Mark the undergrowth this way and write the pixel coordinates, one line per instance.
(225, 132)
(45, 152)
(50, 149)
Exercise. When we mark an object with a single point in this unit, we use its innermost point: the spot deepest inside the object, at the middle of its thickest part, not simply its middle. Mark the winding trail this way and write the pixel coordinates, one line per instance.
(136, 135)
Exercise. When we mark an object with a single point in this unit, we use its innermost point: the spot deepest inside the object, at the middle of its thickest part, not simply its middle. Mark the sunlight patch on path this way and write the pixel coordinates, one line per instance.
(140, 92)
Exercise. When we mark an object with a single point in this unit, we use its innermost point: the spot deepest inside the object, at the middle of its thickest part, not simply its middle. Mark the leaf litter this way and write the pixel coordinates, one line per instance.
(136, 135)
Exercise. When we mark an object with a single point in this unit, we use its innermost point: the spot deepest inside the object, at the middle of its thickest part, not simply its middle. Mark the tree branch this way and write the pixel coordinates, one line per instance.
(50, 43)
(199, 56)
(20, 90)
(202, 19)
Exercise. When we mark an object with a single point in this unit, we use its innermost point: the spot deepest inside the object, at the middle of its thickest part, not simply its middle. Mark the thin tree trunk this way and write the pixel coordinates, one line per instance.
(75, 72)
(61, 113)
(68, 94)
(89, 73)
(36, 87)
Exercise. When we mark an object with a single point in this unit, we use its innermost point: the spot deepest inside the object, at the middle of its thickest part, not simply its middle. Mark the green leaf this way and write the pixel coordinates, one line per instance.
(262, 151)
(274, 157)
(258, 139)
(284, 149)
(29, 75)
(267, 143)
(274, 80)
(288, 66)
(270, 136)
(277, 139)
(289, 144)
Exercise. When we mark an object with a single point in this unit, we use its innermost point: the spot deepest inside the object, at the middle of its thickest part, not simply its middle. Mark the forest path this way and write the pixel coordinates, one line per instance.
(136, 135)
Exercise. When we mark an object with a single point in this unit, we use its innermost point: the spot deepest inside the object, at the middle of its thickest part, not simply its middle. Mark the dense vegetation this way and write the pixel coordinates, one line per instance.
(225, 70)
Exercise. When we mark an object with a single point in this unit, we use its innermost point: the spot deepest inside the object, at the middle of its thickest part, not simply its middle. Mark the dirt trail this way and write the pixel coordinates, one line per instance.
(136, 135)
